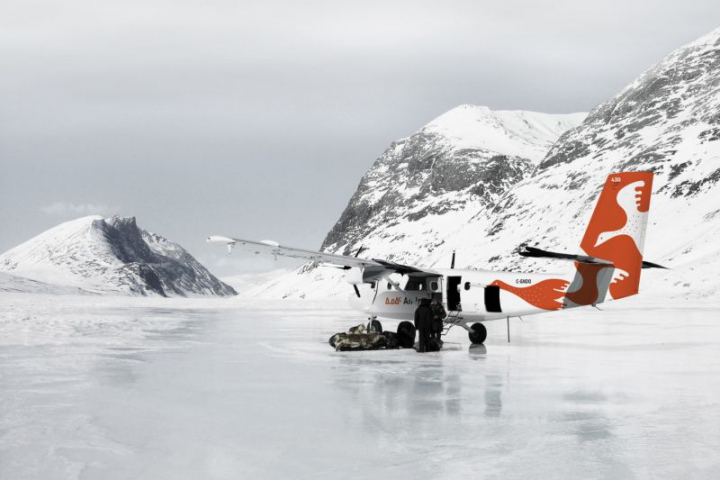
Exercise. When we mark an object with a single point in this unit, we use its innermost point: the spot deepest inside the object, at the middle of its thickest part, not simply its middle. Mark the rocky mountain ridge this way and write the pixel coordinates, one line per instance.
(454, 167)
(110, 255)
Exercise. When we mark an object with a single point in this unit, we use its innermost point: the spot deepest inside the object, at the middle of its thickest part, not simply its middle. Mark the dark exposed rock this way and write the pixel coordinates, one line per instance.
(676, 170)
(690, 188)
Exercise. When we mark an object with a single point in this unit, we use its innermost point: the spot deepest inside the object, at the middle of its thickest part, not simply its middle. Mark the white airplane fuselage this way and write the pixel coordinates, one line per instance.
(476, 295)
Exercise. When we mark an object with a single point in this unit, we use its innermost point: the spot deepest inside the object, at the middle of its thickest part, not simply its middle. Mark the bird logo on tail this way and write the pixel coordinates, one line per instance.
(616, 231)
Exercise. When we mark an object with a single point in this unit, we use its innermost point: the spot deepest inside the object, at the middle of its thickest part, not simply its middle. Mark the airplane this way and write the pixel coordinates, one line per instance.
(607, 268)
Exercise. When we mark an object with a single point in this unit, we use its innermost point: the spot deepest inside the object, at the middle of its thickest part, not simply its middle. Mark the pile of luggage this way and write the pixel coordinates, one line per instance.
(372, 337)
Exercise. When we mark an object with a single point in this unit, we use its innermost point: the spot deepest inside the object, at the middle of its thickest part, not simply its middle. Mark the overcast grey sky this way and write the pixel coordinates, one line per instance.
(258, 119)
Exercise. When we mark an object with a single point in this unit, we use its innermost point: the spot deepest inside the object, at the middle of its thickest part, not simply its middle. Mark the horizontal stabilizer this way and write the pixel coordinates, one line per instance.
(652, 265)
(538, 253)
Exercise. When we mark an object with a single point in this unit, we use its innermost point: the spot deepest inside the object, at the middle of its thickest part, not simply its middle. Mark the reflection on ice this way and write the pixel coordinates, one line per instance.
(93, 390)
(477, 351)
(586, 413)
(453, 392)
(493, 395)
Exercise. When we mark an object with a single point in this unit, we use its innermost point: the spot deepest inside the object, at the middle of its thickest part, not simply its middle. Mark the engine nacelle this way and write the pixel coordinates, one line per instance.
(354, 276)
(358, 276)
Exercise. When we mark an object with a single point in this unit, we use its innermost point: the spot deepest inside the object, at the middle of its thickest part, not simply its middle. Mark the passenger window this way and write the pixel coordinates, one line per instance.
(372, 285)
(434, 285)
(389, 286)
(467, 285)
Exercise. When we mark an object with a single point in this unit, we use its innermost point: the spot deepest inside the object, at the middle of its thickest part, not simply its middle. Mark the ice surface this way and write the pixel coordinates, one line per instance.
(139, 388)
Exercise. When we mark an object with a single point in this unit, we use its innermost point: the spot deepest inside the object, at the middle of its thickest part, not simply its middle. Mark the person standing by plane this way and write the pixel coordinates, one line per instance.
(423, 324)
(439, 315)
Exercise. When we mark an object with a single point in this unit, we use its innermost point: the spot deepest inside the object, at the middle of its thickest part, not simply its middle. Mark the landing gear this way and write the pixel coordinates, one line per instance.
(375, 326)
(477, 333)
(406, 334)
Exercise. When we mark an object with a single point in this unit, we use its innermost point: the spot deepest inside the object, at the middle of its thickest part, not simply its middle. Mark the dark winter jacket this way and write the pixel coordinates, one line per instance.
(439, 315)
(423, 317)
(438, 312)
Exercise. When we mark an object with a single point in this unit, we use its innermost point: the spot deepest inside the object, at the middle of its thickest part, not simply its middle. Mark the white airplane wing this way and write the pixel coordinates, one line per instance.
(274, 248)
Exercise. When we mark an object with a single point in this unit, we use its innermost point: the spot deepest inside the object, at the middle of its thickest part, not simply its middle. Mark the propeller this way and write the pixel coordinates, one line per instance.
(452, 262)
(357, 290)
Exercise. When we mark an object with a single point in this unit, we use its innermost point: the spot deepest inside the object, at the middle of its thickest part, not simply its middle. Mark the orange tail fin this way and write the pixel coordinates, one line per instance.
(617, 228)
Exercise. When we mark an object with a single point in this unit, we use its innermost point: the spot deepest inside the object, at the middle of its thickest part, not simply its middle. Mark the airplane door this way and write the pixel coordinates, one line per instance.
(453, 294)
(492, 299)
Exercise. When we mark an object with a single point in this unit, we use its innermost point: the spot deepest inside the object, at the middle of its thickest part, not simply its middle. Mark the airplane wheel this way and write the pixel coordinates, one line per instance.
(332, 340)
(406, 334)
(478, 334)
(375, 326)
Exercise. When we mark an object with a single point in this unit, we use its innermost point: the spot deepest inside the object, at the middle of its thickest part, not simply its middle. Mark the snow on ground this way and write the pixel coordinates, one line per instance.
(252, 281)
(115, 387)
(15, 284)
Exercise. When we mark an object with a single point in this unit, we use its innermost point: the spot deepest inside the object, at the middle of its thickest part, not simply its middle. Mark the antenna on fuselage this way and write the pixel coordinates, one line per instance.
(452, 262)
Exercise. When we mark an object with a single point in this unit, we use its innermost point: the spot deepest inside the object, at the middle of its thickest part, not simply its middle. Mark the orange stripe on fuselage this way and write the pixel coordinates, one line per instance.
(546, 295)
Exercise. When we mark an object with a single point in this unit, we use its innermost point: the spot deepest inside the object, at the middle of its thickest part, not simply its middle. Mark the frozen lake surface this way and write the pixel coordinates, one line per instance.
(122, 388)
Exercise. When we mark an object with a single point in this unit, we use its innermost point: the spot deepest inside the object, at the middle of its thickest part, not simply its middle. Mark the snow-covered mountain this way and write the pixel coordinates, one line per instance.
(434, 182)
(473, 181)
(426, 187)
(108, 255)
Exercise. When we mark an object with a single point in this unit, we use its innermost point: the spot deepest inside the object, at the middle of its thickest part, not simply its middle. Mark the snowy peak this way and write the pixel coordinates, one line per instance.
(125, 239)
(691, 63)
(674, 102)
(455, 167)
(507, 132)
(111, 255)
